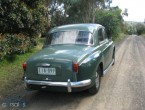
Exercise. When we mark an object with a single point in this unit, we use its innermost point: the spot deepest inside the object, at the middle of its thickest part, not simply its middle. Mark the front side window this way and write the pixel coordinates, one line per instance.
(71, 37)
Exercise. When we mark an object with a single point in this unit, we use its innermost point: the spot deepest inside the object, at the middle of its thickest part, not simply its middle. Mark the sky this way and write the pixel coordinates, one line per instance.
(136, 9)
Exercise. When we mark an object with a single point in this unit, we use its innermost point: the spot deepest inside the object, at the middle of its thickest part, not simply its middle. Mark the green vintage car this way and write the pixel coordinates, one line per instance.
(73, 58)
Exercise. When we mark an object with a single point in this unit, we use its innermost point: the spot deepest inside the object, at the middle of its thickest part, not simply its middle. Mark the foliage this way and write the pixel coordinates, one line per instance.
(11, 72)
(135, 28)
(11, 44)
(74, 11)
(56, 13)
(88, 11)
(20, 22)
(140, 28)
(131, 29)
(111, 19)
(23, 16)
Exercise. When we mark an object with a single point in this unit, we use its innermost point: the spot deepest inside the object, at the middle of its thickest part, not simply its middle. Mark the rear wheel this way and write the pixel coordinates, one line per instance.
(95, 88)
(113, 58)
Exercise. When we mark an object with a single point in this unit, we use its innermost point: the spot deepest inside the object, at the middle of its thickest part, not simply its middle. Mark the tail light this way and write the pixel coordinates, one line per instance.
(24, 65)
(75, 67)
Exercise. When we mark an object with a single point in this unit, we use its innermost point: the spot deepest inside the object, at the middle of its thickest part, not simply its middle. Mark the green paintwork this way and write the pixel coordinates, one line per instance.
(61, 57)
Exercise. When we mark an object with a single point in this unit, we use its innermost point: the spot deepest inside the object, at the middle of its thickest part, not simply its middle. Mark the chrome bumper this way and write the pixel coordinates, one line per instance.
(67, 84)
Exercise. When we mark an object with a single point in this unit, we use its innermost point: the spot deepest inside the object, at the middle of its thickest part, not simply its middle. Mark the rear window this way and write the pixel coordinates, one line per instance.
(70, 37)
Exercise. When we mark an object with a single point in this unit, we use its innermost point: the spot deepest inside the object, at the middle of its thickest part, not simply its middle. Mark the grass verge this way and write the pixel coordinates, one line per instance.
(120, 37)
(11, 72)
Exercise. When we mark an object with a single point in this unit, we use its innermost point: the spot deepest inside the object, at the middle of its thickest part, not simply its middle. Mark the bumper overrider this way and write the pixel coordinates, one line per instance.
(67, 84)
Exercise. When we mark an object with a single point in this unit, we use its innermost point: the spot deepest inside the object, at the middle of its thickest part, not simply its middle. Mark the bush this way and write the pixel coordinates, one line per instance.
(140, 27)
(23, 16)
(2, 47)
(135, 28)
(29, 17)
(11, 44)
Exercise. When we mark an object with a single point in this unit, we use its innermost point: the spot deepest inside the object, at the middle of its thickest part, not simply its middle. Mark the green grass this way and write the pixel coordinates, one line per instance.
(143, 35)
(11, 72)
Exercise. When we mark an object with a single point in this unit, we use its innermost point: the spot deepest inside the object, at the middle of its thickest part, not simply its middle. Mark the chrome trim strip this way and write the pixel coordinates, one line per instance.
(43, 64)
(68, 84)
(108, 67)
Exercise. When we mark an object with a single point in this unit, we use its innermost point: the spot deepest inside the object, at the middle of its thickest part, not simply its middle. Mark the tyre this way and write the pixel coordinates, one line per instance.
(95, 88)
(113, 58)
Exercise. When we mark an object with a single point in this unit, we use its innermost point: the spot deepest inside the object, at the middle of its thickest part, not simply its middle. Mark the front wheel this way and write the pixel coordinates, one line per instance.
(95, 88)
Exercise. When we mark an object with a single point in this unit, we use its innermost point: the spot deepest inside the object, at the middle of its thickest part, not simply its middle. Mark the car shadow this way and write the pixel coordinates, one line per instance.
(53, 100)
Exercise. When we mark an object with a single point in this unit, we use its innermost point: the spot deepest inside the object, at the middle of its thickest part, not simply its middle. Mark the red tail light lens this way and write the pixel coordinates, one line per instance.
(24, 65)
(75, 67)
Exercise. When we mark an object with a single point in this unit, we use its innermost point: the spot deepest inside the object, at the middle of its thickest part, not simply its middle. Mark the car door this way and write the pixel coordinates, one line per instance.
(109, 48)
(104, 47)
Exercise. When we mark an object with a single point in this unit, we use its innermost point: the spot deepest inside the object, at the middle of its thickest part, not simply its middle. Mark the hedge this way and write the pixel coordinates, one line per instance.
(12, 44)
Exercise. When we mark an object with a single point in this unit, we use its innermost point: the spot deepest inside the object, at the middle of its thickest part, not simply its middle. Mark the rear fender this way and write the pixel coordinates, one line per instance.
(88, 68)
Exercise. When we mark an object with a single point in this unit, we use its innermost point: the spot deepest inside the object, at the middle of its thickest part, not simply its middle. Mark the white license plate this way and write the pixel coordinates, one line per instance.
(46, 71)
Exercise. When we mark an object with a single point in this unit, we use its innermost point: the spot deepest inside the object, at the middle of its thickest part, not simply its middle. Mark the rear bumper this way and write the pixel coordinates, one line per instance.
(67, 84)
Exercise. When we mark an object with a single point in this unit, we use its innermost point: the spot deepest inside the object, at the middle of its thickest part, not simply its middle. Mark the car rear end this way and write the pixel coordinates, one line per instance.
(55, 74)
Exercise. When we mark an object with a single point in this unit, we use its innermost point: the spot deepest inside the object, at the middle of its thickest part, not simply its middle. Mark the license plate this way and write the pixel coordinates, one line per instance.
(46, 71)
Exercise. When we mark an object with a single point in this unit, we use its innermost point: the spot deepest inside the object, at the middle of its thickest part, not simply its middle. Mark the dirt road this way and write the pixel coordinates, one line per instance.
(122, 88)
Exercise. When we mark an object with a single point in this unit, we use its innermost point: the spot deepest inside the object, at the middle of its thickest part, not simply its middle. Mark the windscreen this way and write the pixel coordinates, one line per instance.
(70, 37)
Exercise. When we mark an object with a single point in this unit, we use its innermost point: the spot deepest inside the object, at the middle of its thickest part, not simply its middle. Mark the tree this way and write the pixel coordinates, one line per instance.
(75, 11)
(83, 11)
(140, 28)
(57, 13)
(23, 16)
(125, 12)
(111, 19)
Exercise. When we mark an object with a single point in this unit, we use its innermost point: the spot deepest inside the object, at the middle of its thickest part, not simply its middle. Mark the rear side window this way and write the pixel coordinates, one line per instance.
(100, 35)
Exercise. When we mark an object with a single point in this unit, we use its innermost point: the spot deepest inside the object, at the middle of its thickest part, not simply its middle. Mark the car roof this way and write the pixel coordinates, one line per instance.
(83, 27)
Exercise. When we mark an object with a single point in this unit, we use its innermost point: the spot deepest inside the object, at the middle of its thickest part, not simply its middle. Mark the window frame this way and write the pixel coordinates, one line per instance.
(103, 34)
